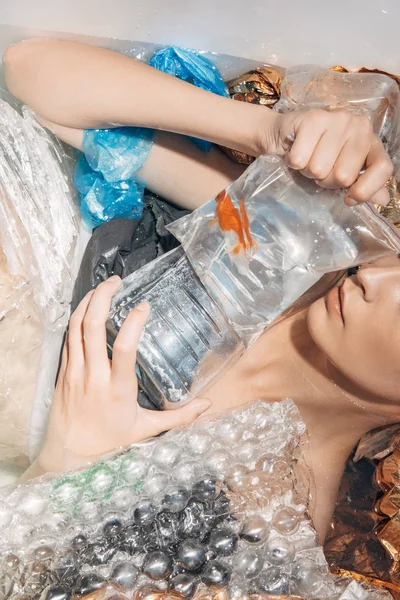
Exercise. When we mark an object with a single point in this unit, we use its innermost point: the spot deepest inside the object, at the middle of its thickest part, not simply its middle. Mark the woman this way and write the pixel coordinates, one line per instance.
(332, 359)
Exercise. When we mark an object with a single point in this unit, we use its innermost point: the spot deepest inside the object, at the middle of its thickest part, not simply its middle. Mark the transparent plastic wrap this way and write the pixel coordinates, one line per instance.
(270, 236)
(371, 94)
(41, 244)
(218, 509)
(187, 340)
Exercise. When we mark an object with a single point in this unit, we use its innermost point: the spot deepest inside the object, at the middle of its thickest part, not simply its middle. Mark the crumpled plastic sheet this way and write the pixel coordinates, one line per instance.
(217, 509)
(371, 94)
(41, 239)
(106, 176)
(270, 236)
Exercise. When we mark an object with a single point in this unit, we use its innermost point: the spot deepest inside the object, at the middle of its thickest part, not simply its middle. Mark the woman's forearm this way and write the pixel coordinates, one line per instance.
(86, 87)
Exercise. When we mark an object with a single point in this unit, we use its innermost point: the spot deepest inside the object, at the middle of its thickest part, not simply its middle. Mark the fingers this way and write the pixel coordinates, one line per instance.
(371, 183)
(345, 161)
(125, 346)
(333, 147)
(302, 149)
(76, 355)
(155, 422)
(94, 327)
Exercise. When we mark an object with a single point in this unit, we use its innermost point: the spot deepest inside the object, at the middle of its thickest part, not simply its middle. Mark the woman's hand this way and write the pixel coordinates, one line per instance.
(332, 148)
(95, 407)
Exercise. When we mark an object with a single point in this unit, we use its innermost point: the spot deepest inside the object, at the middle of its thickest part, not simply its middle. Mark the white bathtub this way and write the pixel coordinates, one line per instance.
(284, 32)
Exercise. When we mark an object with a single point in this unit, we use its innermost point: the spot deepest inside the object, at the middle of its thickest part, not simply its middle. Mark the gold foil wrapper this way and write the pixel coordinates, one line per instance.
(259, 86)
(392, 210)
(389, 537)
(364, 542)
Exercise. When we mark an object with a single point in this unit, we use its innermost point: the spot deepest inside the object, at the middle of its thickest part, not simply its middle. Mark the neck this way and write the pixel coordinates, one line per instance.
(291, 365)
(285, 362)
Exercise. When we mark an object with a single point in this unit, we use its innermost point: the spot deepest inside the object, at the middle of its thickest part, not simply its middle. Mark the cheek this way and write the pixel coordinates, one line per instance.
(366, 356)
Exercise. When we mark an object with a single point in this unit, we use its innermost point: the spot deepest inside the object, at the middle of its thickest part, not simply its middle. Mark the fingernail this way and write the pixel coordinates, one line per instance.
(350, 201)
(114, 278)
(143, 306)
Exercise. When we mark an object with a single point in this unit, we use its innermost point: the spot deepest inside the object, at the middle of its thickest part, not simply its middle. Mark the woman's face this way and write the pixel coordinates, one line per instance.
(357, 326)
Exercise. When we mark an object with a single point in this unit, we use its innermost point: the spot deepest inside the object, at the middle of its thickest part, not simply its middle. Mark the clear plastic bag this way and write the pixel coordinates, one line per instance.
(270, 236)
(217, 509)
(41, 240)
(371, 94)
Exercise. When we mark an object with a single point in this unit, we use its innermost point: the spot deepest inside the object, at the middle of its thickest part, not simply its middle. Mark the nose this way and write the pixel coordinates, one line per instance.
(379, 281)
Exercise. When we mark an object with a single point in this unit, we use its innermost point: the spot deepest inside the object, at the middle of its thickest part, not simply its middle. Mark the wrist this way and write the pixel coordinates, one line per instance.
(250, 128)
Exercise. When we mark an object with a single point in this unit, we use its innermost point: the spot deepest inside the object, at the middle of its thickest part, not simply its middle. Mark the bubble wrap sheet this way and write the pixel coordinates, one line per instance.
(41, 243)
(215, 510)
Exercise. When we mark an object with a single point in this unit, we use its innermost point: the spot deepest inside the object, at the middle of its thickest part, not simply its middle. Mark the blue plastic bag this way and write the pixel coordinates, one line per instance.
(102, 201)
(106, 175)
(193, 68)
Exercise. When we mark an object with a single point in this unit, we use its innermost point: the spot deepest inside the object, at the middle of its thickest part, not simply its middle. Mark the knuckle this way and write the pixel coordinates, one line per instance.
(342, 116)
(319, 117)
(344, 177)
(319, 171)
(364, 125)
(122, 347)
(92, 324)
(71, 380)
(385, 165)
(361, 194)
(297, 161)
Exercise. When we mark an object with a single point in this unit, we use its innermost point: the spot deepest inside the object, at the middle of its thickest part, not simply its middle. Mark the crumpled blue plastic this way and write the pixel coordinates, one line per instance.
(106, 172)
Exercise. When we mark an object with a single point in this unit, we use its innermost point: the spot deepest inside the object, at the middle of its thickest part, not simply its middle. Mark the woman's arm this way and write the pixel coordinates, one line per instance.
(86, 87)
(175, 169)
(78, 86)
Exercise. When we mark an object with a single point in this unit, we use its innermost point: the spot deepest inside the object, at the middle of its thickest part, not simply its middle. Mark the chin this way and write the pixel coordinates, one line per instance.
(316, 320)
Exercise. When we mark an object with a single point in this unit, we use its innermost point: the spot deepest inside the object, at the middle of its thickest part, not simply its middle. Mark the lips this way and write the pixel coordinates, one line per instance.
(334, 302)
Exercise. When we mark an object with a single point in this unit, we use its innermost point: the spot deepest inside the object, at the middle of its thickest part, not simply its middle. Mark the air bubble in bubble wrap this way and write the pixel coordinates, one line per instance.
(187, 472)
(132, 469)
(156, 483)
(248, 564)
(33, 504)
(165, 455)
(102, 479)
(199, 443)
